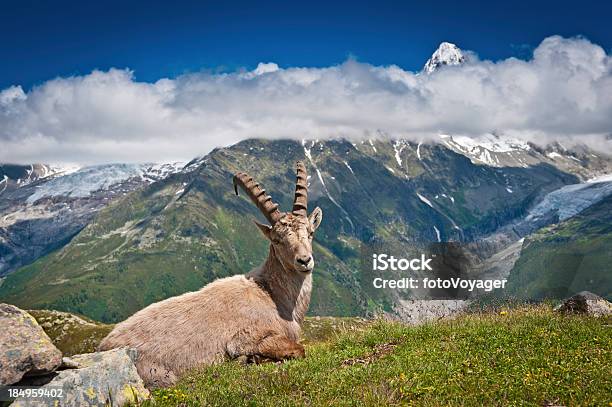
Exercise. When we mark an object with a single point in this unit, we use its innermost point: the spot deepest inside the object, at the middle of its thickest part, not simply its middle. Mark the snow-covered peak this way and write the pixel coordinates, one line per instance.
(489, 149)
(446, 54)
(490, 142)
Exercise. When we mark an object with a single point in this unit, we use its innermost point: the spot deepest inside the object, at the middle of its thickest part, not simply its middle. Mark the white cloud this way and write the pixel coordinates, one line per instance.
(564, 92)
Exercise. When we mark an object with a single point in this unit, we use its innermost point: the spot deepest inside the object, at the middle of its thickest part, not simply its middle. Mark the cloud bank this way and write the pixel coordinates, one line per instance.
(563, 93)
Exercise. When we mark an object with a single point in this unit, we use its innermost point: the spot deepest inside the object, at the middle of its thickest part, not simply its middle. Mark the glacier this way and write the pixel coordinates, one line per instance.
(83, 182)
(572, 199)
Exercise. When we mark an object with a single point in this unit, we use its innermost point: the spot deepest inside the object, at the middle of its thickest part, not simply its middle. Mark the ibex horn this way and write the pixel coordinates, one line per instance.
(258, 196)
(300, 202)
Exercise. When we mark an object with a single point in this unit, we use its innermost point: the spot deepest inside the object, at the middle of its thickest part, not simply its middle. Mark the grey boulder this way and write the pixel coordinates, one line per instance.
(99, 379)
(585, 302)
(25, 349)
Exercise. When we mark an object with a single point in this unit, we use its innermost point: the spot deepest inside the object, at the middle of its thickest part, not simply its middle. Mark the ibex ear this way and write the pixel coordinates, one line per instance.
(315, 218)
(265, 229)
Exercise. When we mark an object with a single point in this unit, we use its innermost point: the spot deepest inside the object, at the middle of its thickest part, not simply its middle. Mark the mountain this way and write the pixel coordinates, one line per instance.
(446, 54)
(567, 257)
(188, 228)
(42, 207)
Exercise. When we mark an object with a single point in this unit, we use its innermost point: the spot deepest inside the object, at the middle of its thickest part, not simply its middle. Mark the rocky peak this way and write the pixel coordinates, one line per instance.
(446, 54)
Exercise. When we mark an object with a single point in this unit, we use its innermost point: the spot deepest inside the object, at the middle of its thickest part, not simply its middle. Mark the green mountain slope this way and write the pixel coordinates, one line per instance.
(568, 257)
(184, 231)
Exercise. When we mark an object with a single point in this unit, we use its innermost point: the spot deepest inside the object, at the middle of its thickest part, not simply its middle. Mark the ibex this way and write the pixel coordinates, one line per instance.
(257, 315)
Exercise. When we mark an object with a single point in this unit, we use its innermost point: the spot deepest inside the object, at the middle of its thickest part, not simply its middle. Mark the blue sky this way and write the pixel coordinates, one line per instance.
(43, 40)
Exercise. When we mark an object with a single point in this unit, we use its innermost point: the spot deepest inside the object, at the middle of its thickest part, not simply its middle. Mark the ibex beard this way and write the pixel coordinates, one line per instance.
(257, 315)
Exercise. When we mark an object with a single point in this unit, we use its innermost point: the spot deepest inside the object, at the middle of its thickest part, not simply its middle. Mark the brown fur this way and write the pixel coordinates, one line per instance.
(257, 315)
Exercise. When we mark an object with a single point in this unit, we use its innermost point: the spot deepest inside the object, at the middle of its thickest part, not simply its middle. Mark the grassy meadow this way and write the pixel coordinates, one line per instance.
(524, 356)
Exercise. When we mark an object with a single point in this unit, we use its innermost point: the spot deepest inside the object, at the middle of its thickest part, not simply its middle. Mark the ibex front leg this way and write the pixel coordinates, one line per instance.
(270, 347)
(277, 348)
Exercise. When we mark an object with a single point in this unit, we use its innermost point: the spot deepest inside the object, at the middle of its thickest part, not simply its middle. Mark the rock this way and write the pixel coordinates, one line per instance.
(25, 349)
(415, 312)
(585, 302)
(103, 378)
(68, 363)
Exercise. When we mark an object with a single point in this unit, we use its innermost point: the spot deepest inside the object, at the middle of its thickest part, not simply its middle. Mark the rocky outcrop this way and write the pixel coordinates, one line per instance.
(25, 349)
(29, 358)
(585, 302)
(100, 379)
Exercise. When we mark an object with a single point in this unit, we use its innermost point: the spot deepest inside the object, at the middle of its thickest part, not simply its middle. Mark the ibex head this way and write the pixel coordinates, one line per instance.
(289, 233)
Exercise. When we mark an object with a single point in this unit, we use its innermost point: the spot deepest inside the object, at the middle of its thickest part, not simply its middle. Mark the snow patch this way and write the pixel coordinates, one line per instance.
(372, 144)
(437, 233)
(346, 215)
(449, 197)
(307, 151)
(5, 181)
(349, 167)
(398, 147)
(309, 156)
(425, 200)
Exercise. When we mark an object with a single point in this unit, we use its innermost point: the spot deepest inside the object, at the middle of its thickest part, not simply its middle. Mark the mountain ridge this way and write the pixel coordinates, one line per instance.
(179, 233)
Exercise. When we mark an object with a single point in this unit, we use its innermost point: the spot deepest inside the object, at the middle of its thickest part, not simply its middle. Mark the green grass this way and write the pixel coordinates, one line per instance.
(527, 356)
